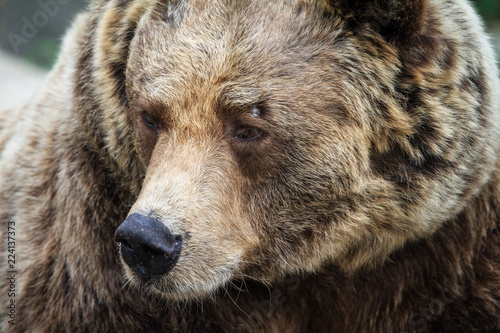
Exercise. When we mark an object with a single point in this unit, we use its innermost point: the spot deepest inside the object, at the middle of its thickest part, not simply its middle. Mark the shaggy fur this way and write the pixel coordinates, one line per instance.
(332, 166)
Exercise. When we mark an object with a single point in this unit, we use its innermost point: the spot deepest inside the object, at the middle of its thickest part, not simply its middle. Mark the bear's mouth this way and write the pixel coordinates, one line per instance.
(184, 282)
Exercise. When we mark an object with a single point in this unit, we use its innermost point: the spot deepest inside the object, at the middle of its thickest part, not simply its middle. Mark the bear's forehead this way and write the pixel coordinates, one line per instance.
(234, 50)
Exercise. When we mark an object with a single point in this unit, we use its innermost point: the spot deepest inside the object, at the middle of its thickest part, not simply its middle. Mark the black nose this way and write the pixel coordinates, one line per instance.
(147, 246)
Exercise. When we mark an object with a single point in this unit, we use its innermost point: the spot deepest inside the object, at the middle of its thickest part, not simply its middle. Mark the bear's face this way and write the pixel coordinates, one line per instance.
(265, 147)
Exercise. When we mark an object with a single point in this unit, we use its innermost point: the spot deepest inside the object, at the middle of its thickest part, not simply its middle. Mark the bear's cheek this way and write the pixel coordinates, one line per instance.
(300, 208)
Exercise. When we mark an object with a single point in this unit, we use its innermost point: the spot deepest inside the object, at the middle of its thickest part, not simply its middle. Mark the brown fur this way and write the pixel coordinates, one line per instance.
(370, 202)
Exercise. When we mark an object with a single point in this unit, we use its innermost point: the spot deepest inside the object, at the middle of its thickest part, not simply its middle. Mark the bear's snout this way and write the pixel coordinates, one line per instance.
(147, 246)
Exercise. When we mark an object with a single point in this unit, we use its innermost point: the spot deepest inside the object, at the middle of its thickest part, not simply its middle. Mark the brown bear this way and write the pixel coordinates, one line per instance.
(257, 166)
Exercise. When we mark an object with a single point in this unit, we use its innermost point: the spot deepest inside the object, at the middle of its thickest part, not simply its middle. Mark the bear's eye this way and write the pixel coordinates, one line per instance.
(149, 122)
(248, 134)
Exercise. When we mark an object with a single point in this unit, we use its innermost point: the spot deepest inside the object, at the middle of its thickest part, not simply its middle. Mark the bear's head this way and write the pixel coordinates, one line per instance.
(277, 137)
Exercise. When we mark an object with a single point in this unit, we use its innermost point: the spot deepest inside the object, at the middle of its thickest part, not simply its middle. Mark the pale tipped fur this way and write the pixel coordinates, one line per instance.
(372, 196)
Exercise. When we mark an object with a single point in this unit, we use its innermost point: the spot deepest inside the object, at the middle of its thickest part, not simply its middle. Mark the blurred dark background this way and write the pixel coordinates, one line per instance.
(32, 29)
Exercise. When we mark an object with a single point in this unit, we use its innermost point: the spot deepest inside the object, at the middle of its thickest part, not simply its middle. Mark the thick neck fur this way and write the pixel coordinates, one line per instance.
(75, 282)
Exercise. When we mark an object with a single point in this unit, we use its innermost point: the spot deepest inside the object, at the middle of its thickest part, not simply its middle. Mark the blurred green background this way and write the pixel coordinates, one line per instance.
(33, 29)
(49, 19)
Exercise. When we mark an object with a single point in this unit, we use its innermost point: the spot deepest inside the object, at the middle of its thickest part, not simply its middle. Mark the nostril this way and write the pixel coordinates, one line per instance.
(125, 245)
(120, 239)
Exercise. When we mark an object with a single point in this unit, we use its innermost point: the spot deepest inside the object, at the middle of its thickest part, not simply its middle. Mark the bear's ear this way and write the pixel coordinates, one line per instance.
(393, 19)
